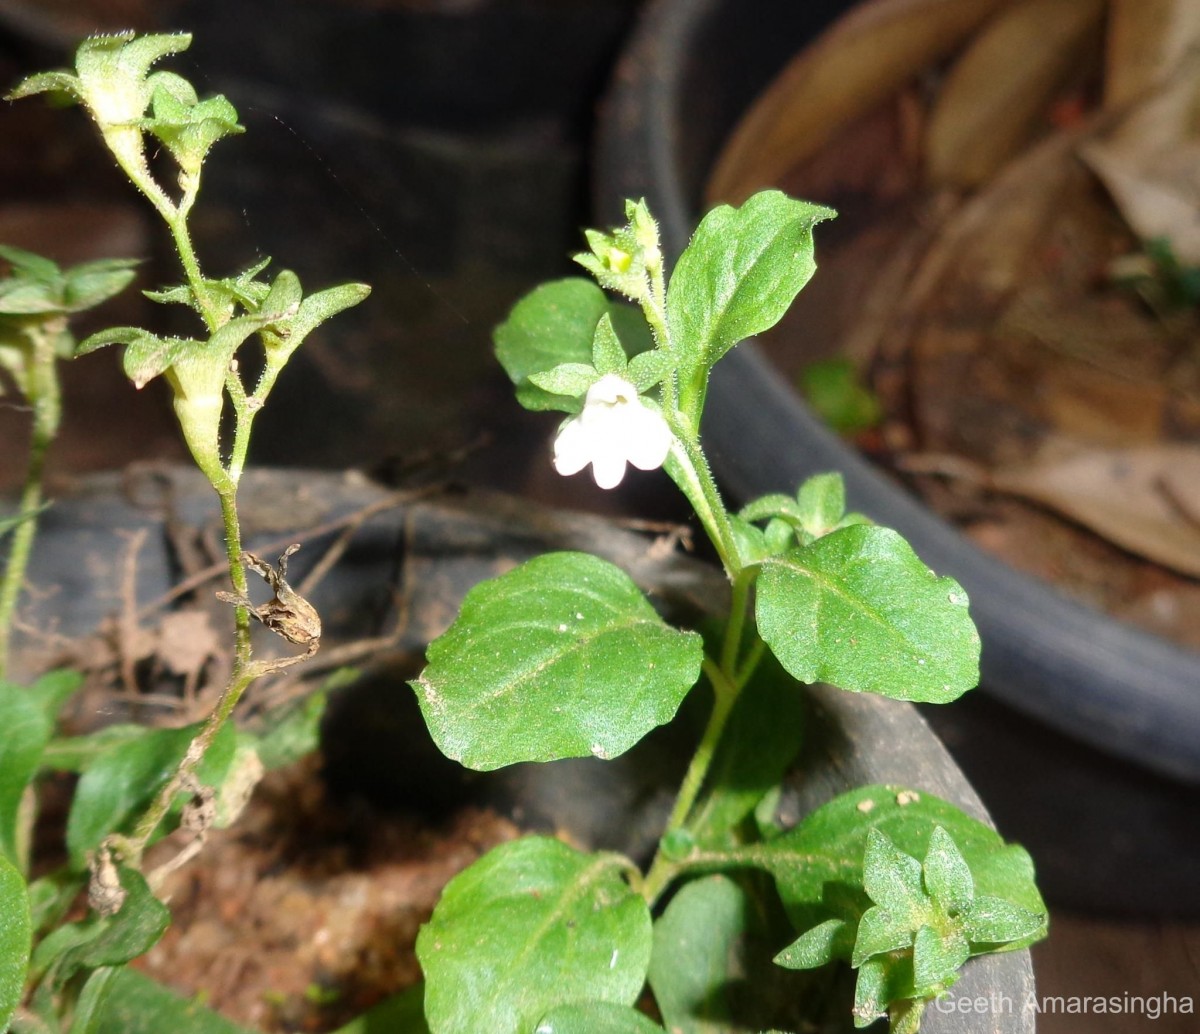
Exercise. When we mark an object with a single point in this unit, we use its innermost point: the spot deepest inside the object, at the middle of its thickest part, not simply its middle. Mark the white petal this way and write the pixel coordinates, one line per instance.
(648, 439)
(611, 390)
(572, 448)
(608, 469)
(615, 428)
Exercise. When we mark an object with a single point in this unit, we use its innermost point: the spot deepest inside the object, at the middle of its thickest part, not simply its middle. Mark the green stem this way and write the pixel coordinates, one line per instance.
(725, 693)
(654, 309)
(177, 221)
(45, 399)
(243, 420)
(734, 631)
(755, 654)
(245, 408)
(227, 494)
(128, 147)
(691, 473)
(244, 673)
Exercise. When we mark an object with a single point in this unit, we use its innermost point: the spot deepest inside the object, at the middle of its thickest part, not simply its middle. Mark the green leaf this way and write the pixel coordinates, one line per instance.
(858, 609)
(187, 126)
(91, 283)
(871, 839)
(290, 732)
(23, 299)
(38, 286)
(761, 739)
(51, 896)
(75, 753)
(27, 730)
(711, 970)
(821, 502)
(880, 932)
(694, 947)
(8, 524)
(827, 849)
(569, 379)
(880, 981)
(947, 875)
(54, 689)
(117, 336)
(146, 356)
(607, 354)
(700, 963)
(105, 940)
(124, 778)
(936, 960)
(646, 369)
(292, 325)
(776, 504)
(992, 920)
(596, 1018)
(893, 878)
(555, 324)
(835, 390)
(283, 300)
(402, 1013)
(531, 925)
(92, 999)
(552, 325)
(737, 277)
(135, 1004)
(561, 657)
(832, 939)
(15, 938)
(28, 264)
(244, 289)
(61, 84)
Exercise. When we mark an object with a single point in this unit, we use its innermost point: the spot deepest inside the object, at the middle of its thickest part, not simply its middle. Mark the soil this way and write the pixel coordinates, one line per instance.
(994, 350)
(305, 913)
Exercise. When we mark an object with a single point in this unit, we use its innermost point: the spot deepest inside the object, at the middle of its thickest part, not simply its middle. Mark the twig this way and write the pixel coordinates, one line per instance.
(355, 519)
(127, 623)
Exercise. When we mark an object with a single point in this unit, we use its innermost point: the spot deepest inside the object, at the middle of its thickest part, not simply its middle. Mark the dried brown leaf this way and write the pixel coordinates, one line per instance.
(863, 58)
(1150, 163)
(1146, 40)
(990, 101)
(186, 640)
(1145, 499)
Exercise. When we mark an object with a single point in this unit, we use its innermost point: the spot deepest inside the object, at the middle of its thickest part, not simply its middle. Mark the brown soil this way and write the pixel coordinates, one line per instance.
(306, 911)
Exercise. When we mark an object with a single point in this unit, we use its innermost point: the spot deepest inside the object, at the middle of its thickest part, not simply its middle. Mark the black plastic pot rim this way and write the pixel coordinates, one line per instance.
(1127, 692)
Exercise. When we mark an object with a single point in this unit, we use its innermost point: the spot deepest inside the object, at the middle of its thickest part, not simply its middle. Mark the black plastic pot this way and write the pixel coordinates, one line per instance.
(428, 551)
(691, 68)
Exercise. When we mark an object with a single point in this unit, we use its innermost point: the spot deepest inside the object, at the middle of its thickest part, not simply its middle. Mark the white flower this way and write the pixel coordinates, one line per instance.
(616, 427)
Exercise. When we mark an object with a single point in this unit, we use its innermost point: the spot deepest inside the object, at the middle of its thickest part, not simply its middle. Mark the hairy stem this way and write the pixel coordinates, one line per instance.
(725, 693)
(735, 630)
(177, 221)
(45, 400)
(654, 309)
(689, 470)
(241, 678)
